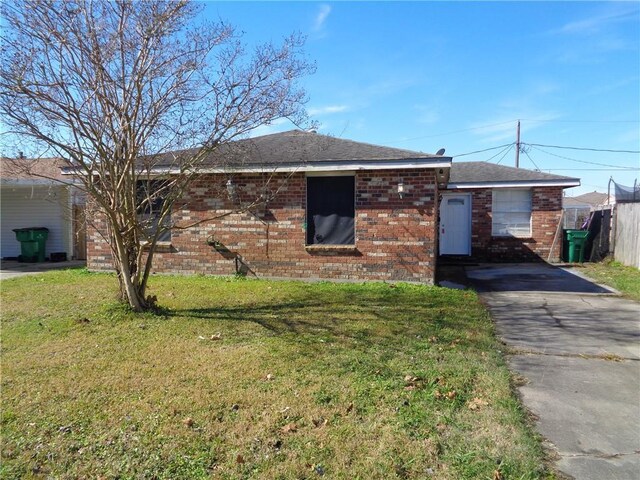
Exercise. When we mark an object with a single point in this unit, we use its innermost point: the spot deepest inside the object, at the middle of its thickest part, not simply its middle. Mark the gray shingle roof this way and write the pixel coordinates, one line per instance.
(485, 172)
(573, 202)
(593, 198)
(298, 147)
(31, 168)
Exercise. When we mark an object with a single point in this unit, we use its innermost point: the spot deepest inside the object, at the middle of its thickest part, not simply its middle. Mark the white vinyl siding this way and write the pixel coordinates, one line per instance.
(38, 206)
(511, 210)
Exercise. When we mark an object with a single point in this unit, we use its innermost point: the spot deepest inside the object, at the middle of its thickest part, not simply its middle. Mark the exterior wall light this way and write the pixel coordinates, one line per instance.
(232, 190)
(401, 189)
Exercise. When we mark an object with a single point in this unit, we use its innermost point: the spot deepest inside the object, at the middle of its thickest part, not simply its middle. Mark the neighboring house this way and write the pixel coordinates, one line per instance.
(576, 213)
(339, 209)
(577, 209)
(502, 214)
(32, 196)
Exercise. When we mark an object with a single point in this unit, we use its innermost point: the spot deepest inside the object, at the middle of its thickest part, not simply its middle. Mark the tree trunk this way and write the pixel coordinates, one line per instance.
(128, 276)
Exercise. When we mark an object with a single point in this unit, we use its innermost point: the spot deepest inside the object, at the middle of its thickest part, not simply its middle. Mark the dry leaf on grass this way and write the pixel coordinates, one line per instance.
(217, 336)
(289, 428)
(188, 422)
(319, 422)
(497, 475)
(477, 403)
(411, 382)
(270, 377)
(239, 459)
(350, 407)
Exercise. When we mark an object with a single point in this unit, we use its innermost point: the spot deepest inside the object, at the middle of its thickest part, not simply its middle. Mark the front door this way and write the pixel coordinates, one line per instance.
(455, 224)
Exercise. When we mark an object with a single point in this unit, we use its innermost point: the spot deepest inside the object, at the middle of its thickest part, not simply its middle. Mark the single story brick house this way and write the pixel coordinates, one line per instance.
(502, 214)
(338, 209)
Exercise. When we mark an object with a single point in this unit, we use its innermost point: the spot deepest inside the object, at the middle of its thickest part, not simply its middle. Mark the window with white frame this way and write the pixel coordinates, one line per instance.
(511, 213)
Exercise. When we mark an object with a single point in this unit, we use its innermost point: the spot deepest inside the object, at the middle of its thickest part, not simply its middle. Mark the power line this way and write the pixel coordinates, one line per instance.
(485, 150)
(452, 132)
(578, 121)
(500, 152)
(583, 148)
(504, 155)
(529, 157)
(624, 167)
(592, 169)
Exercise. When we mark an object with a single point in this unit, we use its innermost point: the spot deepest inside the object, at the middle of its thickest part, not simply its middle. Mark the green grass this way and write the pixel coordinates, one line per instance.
(622, 278)
(341, 381)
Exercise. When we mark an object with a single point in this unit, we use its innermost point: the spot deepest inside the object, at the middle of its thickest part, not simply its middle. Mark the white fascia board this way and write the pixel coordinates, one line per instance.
(319, 167)
(24, 182)
(526, 184)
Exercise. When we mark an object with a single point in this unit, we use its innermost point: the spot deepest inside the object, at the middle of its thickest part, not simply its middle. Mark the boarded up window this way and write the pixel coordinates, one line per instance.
(331, 210)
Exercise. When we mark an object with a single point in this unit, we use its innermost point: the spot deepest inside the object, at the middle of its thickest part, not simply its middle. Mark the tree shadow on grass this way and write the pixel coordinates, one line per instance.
(370, 320)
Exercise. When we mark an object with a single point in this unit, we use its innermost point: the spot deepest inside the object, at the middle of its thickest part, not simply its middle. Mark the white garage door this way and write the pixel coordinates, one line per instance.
(38, 206)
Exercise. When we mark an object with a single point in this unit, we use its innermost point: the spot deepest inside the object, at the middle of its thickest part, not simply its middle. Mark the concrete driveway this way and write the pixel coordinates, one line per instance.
(577, 346)
(12, 269)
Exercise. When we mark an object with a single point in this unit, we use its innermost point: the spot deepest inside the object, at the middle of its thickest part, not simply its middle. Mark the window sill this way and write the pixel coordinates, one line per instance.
(330, 248)
(160, 246)
(512, 237)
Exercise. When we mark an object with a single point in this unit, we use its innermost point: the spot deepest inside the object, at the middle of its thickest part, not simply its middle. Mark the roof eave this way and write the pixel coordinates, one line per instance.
(565, 183)
(26, 182)
(325, 166)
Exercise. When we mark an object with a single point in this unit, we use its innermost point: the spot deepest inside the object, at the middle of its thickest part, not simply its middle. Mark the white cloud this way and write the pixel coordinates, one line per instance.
(279, 125)
(321, 17)
(597, 23)
(502, 129)
(328, 110)
(426, 115)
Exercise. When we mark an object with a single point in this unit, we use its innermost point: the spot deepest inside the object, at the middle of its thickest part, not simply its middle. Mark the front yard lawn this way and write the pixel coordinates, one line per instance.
(255, 379)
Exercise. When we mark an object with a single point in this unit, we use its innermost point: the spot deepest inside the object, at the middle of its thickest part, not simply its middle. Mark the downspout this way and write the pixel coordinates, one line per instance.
(436, 229)
(70, 224)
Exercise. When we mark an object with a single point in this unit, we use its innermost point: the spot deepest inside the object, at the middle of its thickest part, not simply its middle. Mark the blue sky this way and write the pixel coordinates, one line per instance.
(458, 75)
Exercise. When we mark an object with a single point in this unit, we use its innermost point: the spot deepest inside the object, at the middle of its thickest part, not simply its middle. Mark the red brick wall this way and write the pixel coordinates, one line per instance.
(395, 238)
(546, 213)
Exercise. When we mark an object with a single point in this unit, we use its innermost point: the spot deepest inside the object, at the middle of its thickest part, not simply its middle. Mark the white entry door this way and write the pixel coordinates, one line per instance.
(455, 224)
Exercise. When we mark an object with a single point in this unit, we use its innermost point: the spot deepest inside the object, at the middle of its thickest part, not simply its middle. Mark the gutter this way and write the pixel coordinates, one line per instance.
(565, 183)
(329, 166)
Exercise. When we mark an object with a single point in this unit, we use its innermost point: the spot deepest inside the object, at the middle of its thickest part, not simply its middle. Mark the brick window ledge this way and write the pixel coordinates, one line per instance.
(330, 248)
(160, 246)
(528, 238)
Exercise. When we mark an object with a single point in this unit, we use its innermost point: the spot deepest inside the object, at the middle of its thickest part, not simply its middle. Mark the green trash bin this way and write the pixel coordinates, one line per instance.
(576, 239)
(32, 243)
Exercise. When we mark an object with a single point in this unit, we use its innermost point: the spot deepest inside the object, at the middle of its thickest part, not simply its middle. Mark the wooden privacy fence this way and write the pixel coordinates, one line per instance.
(626, 247)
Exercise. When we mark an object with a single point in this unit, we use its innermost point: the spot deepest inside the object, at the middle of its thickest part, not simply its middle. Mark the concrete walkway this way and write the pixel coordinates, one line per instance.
(577, 345)
(12, 269)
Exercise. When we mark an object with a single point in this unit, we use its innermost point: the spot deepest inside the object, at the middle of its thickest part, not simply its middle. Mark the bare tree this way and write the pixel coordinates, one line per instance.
(112, 86)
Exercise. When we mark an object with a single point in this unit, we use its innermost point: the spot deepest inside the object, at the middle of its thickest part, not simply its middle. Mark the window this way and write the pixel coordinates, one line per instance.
(511, 213)
(331, 210)
(150, 199)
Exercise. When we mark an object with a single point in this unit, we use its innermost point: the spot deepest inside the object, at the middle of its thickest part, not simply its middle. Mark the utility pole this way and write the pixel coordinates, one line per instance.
(518, 146)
